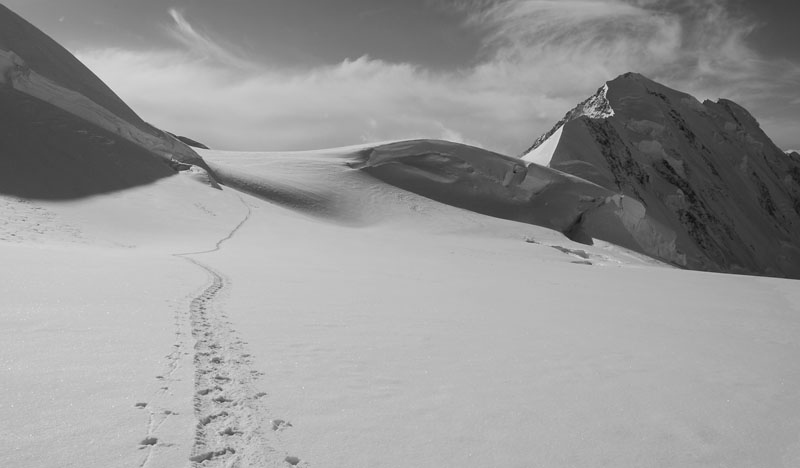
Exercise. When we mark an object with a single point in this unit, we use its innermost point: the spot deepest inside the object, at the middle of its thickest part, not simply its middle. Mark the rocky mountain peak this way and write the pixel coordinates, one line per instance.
(706, 170)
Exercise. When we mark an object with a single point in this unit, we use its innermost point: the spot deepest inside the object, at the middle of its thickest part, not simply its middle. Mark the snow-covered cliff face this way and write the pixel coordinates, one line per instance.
(60, 121)
(705, 170)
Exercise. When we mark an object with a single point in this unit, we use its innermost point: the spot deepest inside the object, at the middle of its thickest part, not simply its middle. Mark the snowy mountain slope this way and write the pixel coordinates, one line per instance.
(461, 176)
(704, 170)
(393, 330)
(84, 334)
(92, 307)
(357, 307)
(398, 331)
(81, 350)
(43, 88)
(117, 145)
(504, 187)
(393, 347)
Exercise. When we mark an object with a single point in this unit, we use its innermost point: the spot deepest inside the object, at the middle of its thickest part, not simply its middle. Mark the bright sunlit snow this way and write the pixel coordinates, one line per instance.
(543, 153)
(368, 326)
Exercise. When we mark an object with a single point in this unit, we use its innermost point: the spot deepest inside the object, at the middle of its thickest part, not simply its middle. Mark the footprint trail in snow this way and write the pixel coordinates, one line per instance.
(232, 427)
(231, 423)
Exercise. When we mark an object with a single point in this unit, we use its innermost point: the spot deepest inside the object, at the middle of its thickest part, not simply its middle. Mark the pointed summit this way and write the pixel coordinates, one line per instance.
(706, 170)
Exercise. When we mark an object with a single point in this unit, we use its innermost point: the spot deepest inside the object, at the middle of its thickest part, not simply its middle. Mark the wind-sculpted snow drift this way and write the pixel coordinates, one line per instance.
(705, 170)
(337, 185)
(505, 187)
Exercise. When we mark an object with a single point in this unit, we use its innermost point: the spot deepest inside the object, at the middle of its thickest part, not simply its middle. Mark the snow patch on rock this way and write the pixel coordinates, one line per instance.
(543, 154)
(596, 107)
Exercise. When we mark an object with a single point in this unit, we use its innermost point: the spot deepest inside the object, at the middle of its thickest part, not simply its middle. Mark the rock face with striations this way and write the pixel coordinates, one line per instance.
(705, 170)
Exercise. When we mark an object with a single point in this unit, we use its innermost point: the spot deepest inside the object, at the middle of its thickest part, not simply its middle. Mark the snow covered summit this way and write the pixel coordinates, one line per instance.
(706, 170)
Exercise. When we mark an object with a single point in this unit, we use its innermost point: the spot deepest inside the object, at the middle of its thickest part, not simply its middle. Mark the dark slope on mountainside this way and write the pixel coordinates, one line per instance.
(64, 133)
(705, 170)
(44, 55)
(47, 153)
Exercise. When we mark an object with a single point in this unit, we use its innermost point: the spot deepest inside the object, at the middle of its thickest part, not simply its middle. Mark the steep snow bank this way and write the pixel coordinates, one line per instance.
(504, 187)
(19, 76)
(48, 153)
(34, 63)
(51, 60)
(65, 134)
(58, 143)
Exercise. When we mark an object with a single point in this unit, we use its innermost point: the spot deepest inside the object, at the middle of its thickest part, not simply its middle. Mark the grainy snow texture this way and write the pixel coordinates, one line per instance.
(438, 337)
(414, 303)
(383, 329)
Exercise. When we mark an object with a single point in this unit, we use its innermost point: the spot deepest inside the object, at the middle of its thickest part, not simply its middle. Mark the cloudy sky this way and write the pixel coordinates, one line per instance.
(302, 74)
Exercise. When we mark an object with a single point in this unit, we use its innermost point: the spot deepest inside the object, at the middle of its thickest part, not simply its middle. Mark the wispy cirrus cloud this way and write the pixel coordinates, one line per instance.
(203, 45)
(538, 58)
(697, 44)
